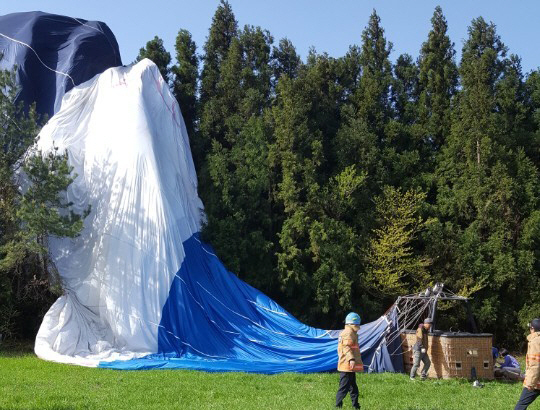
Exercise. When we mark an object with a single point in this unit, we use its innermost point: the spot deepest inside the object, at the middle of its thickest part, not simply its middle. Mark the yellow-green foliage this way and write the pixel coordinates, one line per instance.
(393, 265)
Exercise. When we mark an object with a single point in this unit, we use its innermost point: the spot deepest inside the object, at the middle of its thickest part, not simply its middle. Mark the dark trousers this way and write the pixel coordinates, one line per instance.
(527, 397)
(347, 383)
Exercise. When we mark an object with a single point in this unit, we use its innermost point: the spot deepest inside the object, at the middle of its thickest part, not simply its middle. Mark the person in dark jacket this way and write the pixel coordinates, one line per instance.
(531, 384)
(420, 349)
(349, 360)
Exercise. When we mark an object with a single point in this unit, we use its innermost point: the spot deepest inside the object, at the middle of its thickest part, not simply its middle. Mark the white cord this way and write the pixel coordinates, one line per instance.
(40, 60)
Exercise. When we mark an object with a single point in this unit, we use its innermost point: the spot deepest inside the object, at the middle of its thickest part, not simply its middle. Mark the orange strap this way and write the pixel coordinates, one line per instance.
(533, 357)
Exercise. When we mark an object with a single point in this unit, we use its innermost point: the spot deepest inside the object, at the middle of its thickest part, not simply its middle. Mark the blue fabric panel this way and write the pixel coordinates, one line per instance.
(79, 48)
(213, 321)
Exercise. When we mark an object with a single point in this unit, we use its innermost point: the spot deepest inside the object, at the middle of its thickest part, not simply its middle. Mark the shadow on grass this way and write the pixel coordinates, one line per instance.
(16, 348)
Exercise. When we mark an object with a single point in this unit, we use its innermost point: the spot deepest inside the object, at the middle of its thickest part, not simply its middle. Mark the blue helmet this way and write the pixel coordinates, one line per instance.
(352, 319)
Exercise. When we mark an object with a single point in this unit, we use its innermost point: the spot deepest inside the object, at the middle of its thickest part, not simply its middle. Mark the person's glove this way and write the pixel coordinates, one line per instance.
(423, 350)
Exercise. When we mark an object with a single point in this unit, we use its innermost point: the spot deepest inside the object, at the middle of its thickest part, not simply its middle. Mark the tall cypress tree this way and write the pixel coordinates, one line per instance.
(532, 86)
(222, 31)
(437, 80)
(238, 201)
(155, 51)
(366, 113)
(373, 95)
(256, 46)
(285, 60)
(186, 74)
(487, 188)
(405, 90)
(318, 246)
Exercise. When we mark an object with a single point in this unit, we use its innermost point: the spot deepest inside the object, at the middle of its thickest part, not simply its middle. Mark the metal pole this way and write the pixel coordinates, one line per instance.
(434, 314)
(472, 322)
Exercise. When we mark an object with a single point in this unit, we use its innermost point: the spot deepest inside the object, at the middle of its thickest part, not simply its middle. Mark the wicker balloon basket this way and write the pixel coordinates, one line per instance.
(453, 355)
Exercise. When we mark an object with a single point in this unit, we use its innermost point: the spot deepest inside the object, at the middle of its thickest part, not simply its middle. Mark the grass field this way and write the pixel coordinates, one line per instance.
(27, 382)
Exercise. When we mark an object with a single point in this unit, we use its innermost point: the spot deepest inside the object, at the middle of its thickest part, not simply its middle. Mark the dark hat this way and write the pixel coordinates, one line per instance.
(535, 324)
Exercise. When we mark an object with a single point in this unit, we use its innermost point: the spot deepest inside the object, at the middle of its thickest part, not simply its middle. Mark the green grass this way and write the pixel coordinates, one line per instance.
(27, 382)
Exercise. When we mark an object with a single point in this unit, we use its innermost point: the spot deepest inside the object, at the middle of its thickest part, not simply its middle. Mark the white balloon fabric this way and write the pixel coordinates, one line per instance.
(127, 142)
(141, 290)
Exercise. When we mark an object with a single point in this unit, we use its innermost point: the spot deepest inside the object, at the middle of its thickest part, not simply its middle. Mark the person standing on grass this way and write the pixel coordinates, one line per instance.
(531, 385)
(349, 360)
(420, 349)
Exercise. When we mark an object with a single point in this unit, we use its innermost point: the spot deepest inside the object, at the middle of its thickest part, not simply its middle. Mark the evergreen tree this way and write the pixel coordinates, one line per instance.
(155, 51)
(285, 60)
(222, 31)
(365, 115)
(437, 80)
(532, 93)
(318, 247)
(373, 95)
(257, 72)
(404, 152)
(238, 200)
(487, 187)
(186, 74)
(405, 90)
(393, 267)
(368, 109)
(28, 217)
(17, 132)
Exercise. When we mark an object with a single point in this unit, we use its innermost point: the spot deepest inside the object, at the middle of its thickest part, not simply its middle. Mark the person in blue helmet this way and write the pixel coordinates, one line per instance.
(349, 360)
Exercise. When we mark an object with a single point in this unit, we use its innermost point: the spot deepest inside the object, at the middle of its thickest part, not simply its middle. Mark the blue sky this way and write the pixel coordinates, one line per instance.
(329, 26)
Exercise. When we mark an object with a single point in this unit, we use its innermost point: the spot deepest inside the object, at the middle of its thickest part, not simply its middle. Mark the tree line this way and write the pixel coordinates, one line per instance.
(338, 184)
(341, 183)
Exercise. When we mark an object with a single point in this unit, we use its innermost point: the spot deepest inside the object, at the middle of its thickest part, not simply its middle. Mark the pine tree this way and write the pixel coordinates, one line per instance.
(28, 217)
(365, 115)
(155, 51)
